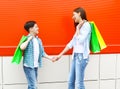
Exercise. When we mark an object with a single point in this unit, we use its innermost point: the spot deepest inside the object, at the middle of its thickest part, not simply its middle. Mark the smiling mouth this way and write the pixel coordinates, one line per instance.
(75, 20)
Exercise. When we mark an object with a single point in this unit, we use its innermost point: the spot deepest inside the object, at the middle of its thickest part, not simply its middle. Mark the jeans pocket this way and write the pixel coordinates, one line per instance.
(79, 59)
(84, 63)
(86, 60)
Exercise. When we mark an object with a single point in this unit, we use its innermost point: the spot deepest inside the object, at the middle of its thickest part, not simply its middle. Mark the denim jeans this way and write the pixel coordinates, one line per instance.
(76, 76)
(31, 75)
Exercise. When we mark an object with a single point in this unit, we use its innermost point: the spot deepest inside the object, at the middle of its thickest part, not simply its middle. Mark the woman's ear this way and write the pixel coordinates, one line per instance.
(79, 13)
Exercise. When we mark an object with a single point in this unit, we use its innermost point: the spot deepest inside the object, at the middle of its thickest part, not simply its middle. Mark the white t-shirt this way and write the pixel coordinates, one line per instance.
(79, 47)
(35, 51)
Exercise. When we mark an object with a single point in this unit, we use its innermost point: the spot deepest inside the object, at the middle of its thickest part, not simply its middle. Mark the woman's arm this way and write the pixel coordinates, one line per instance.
(63, 52)
(60, 55)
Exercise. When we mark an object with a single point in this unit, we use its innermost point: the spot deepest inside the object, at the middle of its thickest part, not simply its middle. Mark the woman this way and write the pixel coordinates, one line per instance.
(80, 43)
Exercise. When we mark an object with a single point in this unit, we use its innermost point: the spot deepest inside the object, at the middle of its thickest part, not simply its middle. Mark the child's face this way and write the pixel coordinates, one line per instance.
(35, 29)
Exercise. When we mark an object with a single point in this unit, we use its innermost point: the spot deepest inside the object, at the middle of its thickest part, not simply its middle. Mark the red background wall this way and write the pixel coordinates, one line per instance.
(54, 18)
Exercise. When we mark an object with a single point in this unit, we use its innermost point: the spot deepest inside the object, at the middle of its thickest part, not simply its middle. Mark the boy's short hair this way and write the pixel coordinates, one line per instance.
(28, 25)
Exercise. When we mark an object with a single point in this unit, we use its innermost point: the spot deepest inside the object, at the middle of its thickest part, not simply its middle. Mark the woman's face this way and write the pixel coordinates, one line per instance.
(76, 17)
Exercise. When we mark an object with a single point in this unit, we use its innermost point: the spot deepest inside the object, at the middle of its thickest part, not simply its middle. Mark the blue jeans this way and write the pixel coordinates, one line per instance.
(31, 75)
(76, 75)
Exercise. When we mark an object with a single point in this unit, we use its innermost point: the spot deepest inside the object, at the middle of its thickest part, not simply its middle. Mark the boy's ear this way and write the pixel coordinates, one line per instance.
(30, 29)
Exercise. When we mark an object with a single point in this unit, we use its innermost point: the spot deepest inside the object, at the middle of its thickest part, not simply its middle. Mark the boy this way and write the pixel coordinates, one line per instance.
(33, 53)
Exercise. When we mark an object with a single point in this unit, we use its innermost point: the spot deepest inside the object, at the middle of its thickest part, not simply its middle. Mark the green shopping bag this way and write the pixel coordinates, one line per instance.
(18, 52)
(94, 43)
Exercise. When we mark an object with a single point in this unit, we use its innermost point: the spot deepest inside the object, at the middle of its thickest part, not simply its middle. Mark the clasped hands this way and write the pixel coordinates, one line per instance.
(55, 58)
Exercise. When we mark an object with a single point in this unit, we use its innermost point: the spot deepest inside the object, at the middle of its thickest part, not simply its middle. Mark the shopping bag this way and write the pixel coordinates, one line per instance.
(18, 52)
(94, 44)
(100, 38)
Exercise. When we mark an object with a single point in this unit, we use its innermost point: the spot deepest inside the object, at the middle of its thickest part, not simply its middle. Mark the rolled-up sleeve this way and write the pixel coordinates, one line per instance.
(70, 44)
(42, 52)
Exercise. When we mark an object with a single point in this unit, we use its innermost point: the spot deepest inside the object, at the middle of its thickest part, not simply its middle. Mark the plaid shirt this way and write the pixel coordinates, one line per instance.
(28, 57)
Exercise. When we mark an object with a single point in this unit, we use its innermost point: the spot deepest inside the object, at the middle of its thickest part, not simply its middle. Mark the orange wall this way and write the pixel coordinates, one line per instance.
(55, 22)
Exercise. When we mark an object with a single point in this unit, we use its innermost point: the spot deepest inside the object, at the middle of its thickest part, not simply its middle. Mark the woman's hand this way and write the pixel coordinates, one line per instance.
(78, 27)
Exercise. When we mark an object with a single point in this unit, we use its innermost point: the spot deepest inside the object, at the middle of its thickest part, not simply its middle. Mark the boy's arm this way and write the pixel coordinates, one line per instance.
(48, 57)
(24, 44)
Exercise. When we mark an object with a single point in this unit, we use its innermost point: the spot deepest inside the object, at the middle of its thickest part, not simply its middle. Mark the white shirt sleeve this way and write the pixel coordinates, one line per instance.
(84, 31)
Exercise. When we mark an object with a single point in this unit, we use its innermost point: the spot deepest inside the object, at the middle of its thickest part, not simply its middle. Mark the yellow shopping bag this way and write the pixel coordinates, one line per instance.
(96, 41)
(100, 38)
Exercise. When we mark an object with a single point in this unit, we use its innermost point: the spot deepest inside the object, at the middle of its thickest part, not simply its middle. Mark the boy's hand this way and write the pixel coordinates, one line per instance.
(30, 38)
